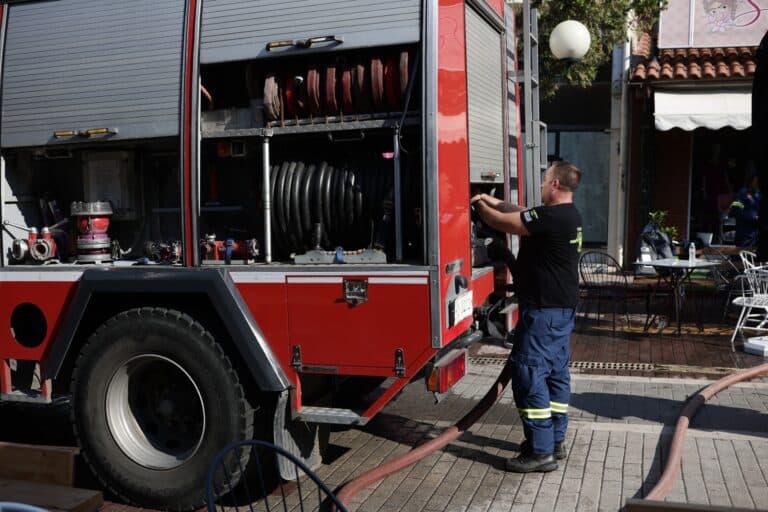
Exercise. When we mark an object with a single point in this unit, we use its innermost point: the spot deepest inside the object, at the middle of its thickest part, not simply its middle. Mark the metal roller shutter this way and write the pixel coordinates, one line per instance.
(485, 100)
(80, 64)
(240, 29)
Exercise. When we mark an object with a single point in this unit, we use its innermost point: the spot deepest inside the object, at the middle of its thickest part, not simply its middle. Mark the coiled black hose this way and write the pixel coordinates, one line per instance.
(351, 201)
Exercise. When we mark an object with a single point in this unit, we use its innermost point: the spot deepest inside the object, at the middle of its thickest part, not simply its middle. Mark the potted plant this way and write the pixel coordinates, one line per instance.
(659, 219)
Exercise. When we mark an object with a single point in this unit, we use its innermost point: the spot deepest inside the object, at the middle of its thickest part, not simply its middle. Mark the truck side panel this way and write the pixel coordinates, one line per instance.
(30, 311)
(309, 311)
(241, 29)
(359, 338)
(228, 305)
(453, 164)
(71, 67)
(497, 5)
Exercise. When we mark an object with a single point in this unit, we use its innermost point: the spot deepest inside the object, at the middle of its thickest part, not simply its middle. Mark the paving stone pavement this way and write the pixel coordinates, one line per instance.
(618, 437)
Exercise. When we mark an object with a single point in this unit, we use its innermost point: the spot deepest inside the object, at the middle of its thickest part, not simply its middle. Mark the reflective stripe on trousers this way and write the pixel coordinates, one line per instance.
(540, 377)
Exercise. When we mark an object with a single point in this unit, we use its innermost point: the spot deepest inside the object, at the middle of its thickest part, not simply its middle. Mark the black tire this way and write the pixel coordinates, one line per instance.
(117, 376)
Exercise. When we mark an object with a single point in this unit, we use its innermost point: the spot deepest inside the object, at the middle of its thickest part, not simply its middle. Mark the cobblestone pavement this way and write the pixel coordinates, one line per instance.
(618, 437)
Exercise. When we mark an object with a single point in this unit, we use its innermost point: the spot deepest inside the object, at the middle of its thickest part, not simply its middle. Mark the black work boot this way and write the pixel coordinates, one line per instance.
(531, 463)
(561, 452)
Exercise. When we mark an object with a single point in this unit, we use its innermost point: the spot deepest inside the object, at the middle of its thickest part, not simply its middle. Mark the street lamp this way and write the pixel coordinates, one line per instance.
(569, 41)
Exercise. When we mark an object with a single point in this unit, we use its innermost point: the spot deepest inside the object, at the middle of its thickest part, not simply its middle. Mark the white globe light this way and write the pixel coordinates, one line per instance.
(569, 40)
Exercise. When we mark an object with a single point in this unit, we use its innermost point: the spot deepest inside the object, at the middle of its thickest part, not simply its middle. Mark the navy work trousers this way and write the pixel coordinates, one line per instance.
(541, 382)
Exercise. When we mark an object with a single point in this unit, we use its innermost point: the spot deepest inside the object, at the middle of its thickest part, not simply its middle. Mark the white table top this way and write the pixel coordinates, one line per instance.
(681, 264)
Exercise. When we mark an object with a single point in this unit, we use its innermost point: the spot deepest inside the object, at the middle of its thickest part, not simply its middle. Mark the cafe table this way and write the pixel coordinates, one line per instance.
(677, 273)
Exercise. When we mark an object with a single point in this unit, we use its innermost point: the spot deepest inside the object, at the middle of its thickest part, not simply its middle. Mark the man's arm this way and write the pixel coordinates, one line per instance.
(506, 221)
(497, 204)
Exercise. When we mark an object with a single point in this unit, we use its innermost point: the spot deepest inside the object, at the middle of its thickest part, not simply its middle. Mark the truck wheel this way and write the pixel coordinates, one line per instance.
(154, 399)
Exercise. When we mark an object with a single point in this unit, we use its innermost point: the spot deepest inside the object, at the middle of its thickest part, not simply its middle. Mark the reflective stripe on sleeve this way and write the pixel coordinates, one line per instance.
(536, 414)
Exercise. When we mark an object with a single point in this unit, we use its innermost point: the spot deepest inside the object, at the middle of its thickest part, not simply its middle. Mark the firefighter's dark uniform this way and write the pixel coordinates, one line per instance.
(547, 285)
(745, 208)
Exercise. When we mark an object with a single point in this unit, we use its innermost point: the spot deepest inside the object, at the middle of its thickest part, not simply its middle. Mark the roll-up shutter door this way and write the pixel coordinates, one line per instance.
(240, 29)
(82, 64)
(485, 100)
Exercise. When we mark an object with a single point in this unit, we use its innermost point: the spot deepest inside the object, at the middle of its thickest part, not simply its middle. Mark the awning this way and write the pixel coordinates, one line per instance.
(703, 109)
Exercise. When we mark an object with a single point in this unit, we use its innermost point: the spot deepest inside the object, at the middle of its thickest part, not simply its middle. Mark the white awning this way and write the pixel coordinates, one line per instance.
(703, 109)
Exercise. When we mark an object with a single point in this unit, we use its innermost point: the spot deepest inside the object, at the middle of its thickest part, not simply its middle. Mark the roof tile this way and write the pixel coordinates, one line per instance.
(650, 63)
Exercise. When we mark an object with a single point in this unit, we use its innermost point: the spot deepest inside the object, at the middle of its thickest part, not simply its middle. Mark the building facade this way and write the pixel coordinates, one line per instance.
(689, 102)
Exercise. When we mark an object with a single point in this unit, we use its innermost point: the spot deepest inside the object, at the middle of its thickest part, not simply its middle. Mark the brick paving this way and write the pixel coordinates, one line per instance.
(619, 434)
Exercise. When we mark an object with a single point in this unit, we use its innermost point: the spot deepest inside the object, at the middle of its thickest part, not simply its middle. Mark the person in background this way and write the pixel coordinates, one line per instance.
(547, 287)
(744, 208)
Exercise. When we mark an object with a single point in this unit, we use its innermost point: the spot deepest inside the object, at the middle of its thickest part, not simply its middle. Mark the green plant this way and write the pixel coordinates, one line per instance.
(608, 22)
(659, 219)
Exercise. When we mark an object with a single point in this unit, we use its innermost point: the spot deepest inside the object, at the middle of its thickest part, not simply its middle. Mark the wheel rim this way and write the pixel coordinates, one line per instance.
(155, 412)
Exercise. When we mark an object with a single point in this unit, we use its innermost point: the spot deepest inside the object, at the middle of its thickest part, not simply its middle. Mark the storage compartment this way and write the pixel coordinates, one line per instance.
(83, 204)
(375, 84)
(334, 138)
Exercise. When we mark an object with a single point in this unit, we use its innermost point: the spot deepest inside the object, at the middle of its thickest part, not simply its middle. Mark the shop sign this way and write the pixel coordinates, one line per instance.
(713, 23)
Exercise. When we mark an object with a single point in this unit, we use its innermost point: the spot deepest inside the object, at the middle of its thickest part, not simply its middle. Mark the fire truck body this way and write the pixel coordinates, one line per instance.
(331, 146)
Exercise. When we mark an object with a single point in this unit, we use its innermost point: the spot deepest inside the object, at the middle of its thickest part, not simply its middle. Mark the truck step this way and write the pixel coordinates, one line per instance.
(29, 396)
(332, 415)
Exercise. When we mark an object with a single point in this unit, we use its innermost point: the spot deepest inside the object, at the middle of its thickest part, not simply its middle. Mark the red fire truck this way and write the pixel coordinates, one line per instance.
(233, 218)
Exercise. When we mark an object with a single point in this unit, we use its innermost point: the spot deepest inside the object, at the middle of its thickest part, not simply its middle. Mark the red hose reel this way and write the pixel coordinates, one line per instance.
(343, 87)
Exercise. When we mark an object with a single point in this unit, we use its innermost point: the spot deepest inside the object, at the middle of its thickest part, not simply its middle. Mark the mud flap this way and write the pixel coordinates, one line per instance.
(299, 438)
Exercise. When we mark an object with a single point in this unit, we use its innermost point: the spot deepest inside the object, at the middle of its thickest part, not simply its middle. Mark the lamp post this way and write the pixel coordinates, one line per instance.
(568, 41)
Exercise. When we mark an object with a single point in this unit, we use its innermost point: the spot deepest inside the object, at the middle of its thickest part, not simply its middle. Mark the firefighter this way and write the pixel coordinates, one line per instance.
(547, 287)
(745, 208)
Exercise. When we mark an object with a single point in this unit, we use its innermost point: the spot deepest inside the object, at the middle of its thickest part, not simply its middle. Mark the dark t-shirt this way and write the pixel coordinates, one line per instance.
(547, 265)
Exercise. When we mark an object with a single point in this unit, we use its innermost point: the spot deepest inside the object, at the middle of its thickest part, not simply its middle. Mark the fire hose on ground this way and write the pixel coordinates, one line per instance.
(659, 492)
(672, 466)
(448, 435)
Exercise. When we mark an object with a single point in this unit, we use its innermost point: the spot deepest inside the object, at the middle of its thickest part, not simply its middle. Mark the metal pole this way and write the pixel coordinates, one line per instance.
(535, 131)
(398, 200)
(538, 129)
(617, 162)
(528, 104)
(267, 199)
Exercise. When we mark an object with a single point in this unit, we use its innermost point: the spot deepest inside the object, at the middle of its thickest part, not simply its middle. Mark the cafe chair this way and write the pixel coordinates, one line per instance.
(245, 475)
(727, 277)
(603, 282)
(748, 259)
(738, 286)
(753, 303)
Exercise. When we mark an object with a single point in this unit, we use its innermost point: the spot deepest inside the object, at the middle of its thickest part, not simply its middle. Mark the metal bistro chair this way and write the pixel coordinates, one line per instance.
(753, 303)
(738, 286)
(726, 276)
(261, 487)
(748, 259)
(602, 279)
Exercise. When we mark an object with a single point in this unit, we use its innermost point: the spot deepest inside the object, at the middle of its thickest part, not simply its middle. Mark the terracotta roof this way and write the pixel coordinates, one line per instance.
(690, 63)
